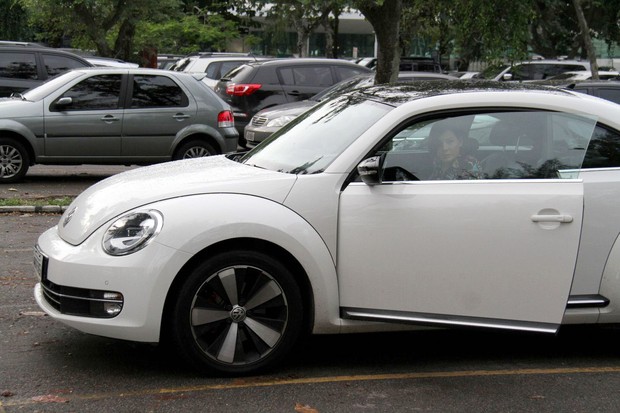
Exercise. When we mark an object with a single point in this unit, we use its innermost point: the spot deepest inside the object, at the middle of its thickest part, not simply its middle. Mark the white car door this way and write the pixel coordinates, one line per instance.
(494, 252)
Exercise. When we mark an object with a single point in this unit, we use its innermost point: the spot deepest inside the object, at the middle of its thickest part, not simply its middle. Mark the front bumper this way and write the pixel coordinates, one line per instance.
(76, 279)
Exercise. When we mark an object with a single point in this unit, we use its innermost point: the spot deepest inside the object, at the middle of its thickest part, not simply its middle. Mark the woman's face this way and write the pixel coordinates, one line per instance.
(449, 147)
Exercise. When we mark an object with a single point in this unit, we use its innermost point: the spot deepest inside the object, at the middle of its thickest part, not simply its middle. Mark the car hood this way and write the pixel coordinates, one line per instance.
(14, 108)
(287, 109)
(132, 189)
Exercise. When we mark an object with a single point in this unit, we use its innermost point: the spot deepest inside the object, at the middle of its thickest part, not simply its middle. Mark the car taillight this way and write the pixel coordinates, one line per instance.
(243, 89)
(225, 119)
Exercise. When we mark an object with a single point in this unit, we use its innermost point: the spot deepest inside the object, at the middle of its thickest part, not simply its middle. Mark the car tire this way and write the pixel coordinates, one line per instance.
(239, 312)
(194, 149)
(14, 160)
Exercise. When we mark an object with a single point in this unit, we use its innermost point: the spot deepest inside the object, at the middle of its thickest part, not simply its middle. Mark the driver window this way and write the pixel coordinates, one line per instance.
(438, 149)
(495, 145)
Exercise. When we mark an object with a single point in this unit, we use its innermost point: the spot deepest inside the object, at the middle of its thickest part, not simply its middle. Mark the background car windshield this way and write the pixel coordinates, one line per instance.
(491, 72)
(311, 142)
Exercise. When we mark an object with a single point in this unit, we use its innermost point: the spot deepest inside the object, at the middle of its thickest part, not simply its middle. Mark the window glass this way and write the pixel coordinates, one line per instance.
(344, 72)
(150, 91)
(603, 150)
(494, 145)
(314, 139)
(227, 67)
(286, 73)
(612, 94)
(18, 65)
(307, 76)
(55, 64)
(95, 93)
(213, 70)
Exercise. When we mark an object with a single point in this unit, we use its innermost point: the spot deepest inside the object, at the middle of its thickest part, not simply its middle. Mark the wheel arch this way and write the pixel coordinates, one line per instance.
(252, 244)
(4, 133)
(200, 133)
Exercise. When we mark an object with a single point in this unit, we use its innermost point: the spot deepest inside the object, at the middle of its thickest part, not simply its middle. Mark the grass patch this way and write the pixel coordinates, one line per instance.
(64, 201)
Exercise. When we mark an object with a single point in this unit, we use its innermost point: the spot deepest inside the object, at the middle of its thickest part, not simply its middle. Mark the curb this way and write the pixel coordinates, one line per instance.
(34, 209)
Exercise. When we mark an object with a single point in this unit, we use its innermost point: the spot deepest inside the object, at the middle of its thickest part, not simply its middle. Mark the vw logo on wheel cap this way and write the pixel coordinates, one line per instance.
(237, 314)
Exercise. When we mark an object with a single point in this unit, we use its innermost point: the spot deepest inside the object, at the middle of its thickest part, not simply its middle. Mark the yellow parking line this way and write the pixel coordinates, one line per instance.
(260, 382)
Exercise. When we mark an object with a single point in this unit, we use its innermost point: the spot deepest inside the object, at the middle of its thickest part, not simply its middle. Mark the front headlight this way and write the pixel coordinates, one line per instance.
(132, 232)
(279, 122)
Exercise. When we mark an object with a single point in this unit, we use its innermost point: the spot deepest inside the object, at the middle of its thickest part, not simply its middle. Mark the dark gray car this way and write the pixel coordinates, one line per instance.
(269, 120)
(113, 116)
(27, 65)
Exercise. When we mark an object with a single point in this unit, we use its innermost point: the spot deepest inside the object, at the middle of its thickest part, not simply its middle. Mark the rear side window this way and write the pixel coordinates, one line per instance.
(307, 76)
(18, 65)
(55, 64)
(610, 94)
(156, 92)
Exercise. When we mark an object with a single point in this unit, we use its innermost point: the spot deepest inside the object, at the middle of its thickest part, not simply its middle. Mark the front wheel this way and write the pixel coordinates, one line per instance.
(14, 160)
(194, 149)
(239, 312)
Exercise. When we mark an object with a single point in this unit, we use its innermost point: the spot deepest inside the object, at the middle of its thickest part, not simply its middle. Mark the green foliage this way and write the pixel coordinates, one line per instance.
(188, 34)
(492, 31)
(13, 21)
(109, 26)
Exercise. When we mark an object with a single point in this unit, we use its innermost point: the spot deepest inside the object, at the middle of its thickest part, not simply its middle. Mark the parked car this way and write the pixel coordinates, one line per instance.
(166, 61)
(605, 89)
(214, 66)
(532, 70)
(269, 120)
(109, 62)
(465, 74)
(255, 86)
(25, 66)
(579, 75)
(112, 116)
(407, 63)
(332, 225)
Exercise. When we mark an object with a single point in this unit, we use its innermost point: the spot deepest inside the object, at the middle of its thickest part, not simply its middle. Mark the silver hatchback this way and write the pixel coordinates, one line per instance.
(113, 116)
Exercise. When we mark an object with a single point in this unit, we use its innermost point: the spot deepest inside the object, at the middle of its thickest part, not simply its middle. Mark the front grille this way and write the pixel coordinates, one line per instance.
(259, 120)
(80, 301)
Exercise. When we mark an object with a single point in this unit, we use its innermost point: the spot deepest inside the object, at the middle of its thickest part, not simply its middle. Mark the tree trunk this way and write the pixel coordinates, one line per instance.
(587, 40)
(385, 20)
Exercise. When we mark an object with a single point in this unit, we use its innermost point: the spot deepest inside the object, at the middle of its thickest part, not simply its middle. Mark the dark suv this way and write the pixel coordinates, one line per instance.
(24, 66)
(259, 85)
(606, 89)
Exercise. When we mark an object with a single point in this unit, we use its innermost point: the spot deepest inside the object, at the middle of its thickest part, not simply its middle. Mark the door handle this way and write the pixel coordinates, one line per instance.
(110, 118)
(294, 93)
(552, 218)
(181, 116)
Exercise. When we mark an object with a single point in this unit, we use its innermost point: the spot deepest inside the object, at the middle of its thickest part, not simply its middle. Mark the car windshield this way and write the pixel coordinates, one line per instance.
(491, 72)
(51, 85)
(344, 86)
(310, 143)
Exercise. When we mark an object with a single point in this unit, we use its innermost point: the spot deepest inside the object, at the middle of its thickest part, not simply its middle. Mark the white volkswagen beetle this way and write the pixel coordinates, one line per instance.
(363, 214)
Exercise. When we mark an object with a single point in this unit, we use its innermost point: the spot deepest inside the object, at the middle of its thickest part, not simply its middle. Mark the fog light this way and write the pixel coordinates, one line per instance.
(112, 308)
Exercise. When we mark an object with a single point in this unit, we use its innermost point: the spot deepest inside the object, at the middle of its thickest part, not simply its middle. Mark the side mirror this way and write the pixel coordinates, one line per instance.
(370, 170)
(507, 77)
(64, 101)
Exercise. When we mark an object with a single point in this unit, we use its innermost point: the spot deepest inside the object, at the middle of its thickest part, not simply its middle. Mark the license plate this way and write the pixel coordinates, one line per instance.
(249, 136)
(39, 263)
